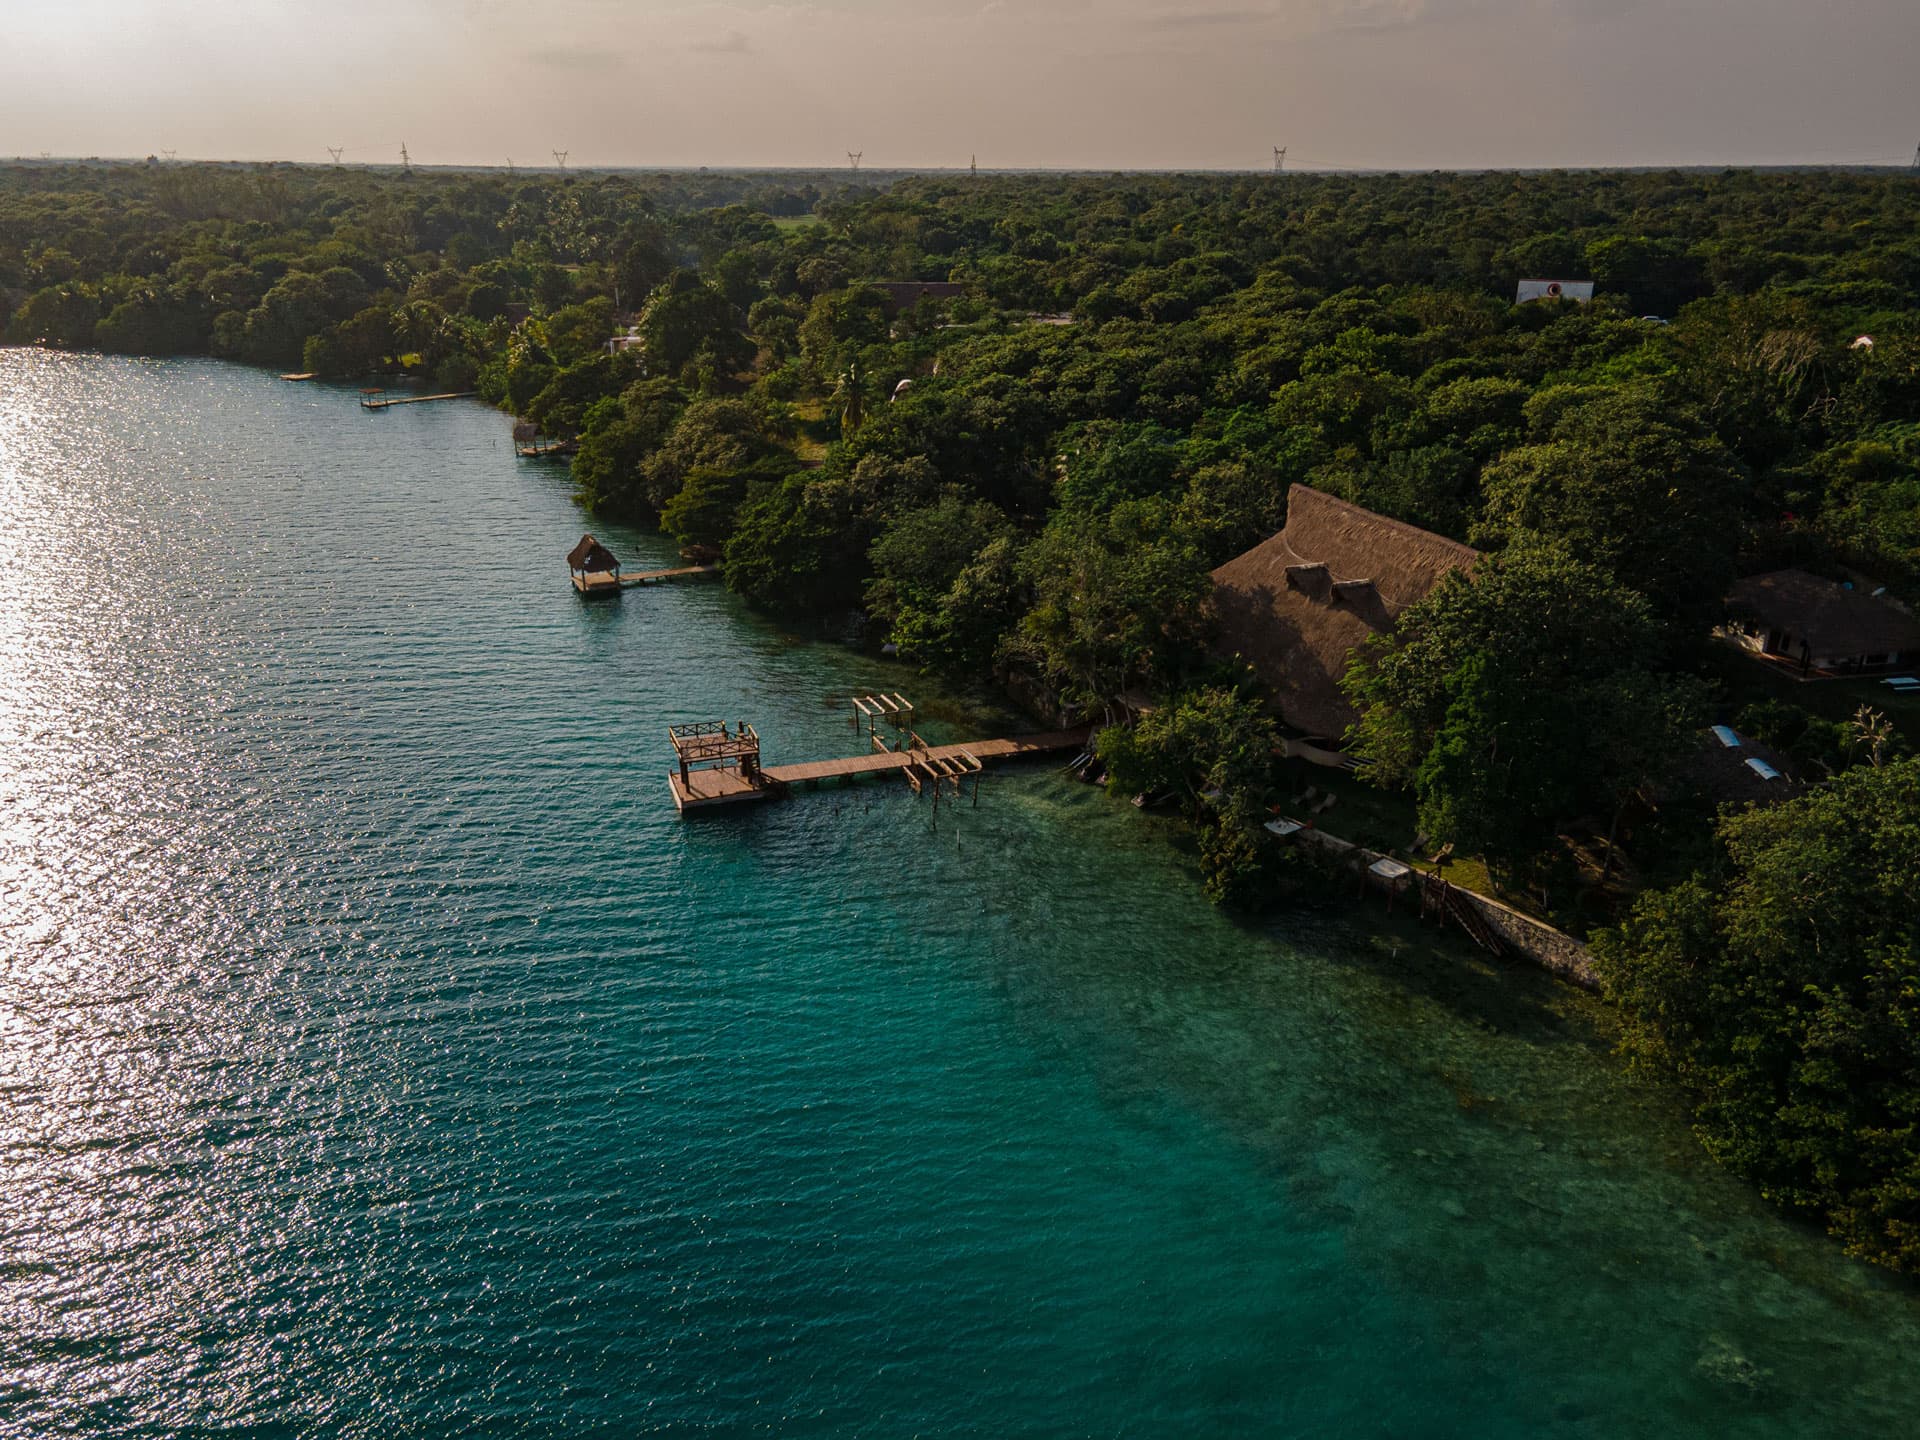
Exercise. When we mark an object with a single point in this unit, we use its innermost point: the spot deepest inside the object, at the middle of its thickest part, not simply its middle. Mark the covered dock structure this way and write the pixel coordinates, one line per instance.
(717, 764)
(594, 568)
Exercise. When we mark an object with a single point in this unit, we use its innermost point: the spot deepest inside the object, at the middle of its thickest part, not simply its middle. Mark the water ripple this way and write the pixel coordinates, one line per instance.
(381, 1056)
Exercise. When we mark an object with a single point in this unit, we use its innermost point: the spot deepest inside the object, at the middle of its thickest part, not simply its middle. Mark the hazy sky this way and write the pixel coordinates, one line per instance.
(1107, 83)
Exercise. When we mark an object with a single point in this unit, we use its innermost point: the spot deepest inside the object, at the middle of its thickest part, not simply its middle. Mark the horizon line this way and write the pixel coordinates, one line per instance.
(1302, 168)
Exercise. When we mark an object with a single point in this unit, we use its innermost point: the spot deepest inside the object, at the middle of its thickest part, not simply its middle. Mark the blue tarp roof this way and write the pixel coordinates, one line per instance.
(1727, 737)
(1763, 770)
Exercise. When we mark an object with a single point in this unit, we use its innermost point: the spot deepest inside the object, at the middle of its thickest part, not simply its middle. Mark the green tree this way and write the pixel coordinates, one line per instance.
(700, 514)
(726, 436)
(617, 438)
(1496, 698)
(578, 332)
(1118, 598)
(1214, 749)
(918, 561)
(684, 317)
(791, 544)
(850, 398)
(838, 325)
(60, 315)
(1627, 482)
(1783, 992)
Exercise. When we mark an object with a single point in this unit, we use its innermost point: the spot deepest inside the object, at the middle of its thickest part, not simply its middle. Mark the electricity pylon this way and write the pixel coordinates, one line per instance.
(853, 158)
(336, 151)
(560, 158)
(1279, 158)
(406, 160)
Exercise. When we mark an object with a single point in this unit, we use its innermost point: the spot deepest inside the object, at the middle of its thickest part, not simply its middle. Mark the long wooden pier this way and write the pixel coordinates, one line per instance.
(384, 403)
(932, 758)
(722, 767)
(602, 582)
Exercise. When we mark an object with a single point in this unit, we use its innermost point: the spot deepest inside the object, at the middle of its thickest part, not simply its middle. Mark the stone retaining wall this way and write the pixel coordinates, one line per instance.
(1552, 950)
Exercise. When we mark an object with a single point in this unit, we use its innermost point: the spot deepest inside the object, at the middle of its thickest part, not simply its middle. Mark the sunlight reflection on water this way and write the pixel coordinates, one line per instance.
(381, 1056)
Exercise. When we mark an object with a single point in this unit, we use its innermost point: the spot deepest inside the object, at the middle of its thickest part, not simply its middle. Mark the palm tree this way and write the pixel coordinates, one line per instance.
(849, 394)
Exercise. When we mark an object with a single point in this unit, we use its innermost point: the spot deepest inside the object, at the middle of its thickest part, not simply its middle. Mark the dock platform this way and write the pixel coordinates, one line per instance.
(384, 402)
(921, 765)
(611, 582)
(885, 762)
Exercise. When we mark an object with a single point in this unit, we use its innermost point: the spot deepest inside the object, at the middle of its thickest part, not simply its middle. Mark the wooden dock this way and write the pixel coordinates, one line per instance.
(608, 582)
(934, 758)
(385, 403)
(923, 766)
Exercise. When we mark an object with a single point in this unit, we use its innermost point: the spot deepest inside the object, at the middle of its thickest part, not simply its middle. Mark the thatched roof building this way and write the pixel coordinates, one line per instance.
(1821, 624)
(590, 556)
(905, 294)
(1295, 606)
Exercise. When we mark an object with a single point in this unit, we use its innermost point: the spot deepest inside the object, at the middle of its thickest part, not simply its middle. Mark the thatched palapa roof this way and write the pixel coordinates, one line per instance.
(1295, 606)
(590, 555)
(905, 294)
(1833, 620)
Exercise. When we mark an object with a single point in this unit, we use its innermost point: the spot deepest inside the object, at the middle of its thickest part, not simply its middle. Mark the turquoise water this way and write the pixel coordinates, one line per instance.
(382, 1056)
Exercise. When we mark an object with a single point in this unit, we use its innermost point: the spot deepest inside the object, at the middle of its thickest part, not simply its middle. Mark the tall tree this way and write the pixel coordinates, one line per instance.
(1629, 482)
(1497, 698)
(1784, 992)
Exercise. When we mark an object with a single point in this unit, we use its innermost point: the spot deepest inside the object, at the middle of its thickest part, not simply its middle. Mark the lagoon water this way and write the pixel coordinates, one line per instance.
(382, 1056)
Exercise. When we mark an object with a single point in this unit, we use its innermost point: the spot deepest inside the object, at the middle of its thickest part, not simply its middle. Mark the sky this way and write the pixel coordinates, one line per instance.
(1103, 84)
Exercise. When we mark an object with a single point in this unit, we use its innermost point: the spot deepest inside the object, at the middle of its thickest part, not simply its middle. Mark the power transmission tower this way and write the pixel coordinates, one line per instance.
(406, 160)
(853, 157)
(1916, 157)
(1279, 158)
(973, 165)
(336, 151)
(169, 154)
(560, 158)
(509, 165)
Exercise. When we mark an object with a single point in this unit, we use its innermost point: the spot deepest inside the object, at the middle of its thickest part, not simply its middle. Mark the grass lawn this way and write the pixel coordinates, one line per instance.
(815, 429)
(1744, 680)
(1376, 819)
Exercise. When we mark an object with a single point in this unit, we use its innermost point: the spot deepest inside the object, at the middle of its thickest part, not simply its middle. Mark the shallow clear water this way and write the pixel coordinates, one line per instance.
(382, 1055)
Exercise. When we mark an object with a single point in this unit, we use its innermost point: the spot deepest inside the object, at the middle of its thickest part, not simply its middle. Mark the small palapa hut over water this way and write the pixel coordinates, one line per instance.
(1820, 625)
(593, 568)
(1295, 606)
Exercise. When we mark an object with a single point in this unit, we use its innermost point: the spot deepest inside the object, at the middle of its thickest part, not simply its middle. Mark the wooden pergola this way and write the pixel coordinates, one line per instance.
(712, 745)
